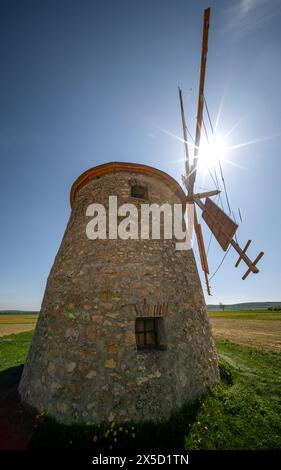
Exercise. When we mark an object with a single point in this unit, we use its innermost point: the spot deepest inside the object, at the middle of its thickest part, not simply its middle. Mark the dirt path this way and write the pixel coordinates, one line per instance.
(260, 333)
(6, 330)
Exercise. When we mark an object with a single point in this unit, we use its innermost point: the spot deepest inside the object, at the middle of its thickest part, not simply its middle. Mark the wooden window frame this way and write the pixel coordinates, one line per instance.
(144, 331)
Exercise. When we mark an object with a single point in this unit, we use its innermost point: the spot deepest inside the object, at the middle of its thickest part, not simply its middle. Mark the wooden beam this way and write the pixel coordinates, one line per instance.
(244, 251)
(199, 204)
(244, 257)
(215, 192)
(184, 128)
(192, 175)
(207, 284)
(201, 246)
(202, 251)
(253, 266)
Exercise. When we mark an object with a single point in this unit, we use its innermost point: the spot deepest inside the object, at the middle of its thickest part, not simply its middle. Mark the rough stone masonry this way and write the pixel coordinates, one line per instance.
(84, 364)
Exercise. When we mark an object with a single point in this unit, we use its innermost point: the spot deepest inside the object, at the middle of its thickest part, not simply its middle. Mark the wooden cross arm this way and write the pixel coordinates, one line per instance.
(191, 198)
(253, 268)
(243, 252)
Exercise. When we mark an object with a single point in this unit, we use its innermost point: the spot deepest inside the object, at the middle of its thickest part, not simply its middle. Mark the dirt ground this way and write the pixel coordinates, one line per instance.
(259, 333)
(6, 330)
(13, 324)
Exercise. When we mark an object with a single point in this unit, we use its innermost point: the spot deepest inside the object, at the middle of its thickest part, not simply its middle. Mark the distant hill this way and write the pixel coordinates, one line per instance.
(246, 306)
(241, 306)
(17, 312)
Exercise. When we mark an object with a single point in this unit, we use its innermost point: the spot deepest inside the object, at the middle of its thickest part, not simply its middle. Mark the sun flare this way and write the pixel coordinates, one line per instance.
(212, 152)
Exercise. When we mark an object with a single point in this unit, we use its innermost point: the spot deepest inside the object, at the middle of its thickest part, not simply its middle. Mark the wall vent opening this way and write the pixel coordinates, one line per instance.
(139, 192)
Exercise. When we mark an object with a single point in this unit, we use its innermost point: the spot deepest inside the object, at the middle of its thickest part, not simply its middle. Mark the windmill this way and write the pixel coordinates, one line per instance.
(220, 224)
(120, 335)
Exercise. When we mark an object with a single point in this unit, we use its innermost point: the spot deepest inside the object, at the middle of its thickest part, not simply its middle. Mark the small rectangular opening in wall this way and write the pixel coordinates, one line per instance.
(150, 333)
(139, 192)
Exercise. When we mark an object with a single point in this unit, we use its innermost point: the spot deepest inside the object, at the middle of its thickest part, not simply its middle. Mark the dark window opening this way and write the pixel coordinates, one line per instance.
(139, 192)
(150, 333)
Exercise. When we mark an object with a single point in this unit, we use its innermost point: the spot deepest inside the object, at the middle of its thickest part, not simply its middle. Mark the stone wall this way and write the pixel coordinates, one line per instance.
(83, 364)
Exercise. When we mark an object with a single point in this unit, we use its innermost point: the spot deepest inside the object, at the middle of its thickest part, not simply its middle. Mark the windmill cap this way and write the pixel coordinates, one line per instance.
(114, 167)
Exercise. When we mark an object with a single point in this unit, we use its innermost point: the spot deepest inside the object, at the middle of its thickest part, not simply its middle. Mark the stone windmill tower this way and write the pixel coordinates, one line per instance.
(123, 331)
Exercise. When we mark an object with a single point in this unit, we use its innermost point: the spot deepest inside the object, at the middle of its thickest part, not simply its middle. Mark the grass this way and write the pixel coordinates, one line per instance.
(245, 315)
(243, 412)
(246, 415)
(13, 349)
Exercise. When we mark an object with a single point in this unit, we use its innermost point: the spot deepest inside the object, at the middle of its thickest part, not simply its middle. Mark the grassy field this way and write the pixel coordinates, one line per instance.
(246, 314)
(246, 415)
(242, 415)
(13, 349)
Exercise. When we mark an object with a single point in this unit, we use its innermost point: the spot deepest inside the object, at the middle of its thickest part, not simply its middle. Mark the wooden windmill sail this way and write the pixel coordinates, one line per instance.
(221, 225)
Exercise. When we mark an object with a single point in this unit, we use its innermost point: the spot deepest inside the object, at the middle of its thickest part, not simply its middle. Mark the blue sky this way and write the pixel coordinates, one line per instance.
(86, 82)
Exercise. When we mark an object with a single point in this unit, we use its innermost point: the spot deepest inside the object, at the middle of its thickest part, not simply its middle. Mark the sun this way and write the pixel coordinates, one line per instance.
(212, 152)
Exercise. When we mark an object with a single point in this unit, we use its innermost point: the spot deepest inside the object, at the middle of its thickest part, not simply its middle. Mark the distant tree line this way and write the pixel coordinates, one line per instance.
(275, 309)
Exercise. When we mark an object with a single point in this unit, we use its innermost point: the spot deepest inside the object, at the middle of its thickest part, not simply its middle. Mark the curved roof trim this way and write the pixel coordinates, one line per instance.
(113, 167)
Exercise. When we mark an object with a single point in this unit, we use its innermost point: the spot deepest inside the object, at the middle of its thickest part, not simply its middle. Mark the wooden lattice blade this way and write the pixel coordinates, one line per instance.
(220, 224)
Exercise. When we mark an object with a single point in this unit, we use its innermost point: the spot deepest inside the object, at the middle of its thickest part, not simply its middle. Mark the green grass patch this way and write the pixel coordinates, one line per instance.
(245, 315)
(248, 414)
(14, 349)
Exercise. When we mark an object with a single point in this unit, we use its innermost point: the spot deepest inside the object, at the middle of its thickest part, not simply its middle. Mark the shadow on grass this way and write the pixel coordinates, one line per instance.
(17, 420)
(24, 428)
(21, 427)
(164, 435)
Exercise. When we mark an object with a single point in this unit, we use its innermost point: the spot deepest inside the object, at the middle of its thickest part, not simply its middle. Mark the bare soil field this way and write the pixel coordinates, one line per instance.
(10, 324)
(259, 333)
(251, 332)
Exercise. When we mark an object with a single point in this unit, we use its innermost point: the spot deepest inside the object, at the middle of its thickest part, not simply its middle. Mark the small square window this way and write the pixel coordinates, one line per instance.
(149, 333)
(139, 192)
